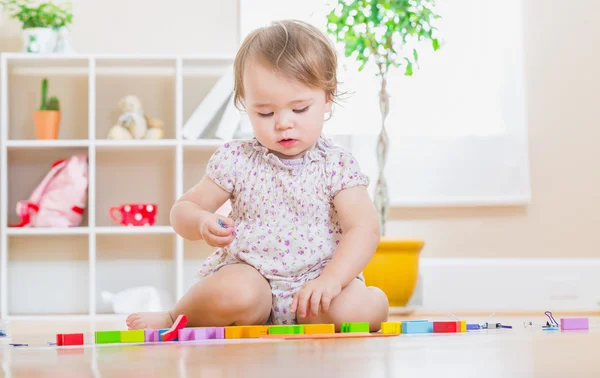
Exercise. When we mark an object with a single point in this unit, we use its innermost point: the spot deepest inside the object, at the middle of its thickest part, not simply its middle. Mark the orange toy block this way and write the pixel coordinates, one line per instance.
(315, 329)
(233, 332)
(254, 332)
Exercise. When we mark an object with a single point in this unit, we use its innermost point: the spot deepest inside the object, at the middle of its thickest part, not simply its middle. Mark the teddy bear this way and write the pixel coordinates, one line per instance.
(133, 123)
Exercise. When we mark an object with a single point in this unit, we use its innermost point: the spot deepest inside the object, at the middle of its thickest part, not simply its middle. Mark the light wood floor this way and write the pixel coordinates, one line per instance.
(520, 352)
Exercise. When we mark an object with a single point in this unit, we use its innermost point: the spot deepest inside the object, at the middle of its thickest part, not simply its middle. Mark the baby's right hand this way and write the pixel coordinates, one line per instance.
(214, 234)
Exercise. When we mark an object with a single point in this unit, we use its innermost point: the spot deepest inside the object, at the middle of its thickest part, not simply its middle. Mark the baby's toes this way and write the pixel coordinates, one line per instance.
(132, 318)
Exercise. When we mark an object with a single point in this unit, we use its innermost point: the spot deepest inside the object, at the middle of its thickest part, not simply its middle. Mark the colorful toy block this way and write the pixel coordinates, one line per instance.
(286, 329)
(108, 337)
(417, 326)
(172, 333)
(201, 333)
(391, 328)
(574, 324)
(69, 339)
(446, 327)
(233, 332)
(355, 327)
(134, 336)
(151, 336)
(316, 329)
(161, 332)
(463, 326)
(254, 332)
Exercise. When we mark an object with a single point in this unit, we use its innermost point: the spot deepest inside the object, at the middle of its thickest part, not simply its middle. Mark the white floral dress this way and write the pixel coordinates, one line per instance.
(286, 225)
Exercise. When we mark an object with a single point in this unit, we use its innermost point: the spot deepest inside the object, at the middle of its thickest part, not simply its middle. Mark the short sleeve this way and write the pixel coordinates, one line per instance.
(225, 165)
(344, 172)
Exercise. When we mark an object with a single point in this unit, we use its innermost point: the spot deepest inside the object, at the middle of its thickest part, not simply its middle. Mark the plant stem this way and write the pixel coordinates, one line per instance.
(381, 190)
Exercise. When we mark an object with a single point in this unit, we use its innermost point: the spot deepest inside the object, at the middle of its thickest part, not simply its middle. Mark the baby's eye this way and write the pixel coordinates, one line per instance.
(265, 115)
(301, 110)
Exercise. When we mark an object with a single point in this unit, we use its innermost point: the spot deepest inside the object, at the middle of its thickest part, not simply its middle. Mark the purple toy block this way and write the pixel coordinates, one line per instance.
(215, 333)
(187, 334)
(151, 335)
(567, 324)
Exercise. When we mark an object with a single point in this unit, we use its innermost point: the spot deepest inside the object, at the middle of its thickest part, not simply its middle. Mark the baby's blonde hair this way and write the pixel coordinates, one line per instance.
(294, 49)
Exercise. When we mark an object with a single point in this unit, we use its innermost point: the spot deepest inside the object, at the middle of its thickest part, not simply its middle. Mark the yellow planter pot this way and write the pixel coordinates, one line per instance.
(394, 269)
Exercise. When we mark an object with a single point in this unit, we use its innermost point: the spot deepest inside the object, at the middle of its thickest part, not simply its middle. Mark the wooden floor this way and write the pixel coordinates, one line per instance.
(520, 352)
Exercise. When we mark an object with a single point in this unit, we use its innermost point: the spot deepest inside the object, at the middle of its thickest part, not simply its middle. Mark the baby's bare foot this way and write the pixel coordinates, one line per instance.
(150, 320)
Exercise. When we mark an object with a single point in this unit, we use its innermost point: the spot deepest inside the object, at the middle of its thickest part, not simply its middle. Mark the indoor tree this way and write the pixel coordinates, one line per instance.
(386, 33)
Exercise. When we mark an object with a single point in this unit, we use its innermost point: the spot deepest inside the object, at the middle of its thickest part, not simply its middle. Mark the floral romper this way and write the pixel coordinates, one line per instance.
(285, 223)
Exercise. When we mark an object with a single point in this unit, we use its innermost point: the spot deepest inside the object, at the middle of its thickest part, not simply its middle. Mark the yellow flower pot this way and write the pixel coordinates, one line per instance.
(394, 269)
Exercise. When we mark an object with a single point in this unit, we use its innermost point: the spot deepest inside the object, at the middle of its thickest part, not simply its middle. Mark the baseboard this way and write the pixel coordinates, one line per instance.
(508, 285)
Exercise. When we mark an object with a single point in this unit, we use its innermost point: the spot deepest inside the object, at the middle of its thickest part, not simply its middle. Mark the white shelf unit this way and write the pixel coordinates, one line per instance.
(59, 273)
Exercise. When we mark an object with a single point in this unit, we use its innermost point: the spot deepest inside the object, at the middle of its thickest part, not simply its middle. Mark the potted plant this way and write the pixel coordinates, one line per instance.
(47, 118)
(40, 21)
(381, 32)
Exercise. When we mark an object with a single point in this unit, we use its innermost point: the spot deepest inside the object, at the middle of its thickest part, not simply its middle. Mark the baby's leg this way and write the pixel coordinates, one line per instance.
(235, 294)
(356, 303)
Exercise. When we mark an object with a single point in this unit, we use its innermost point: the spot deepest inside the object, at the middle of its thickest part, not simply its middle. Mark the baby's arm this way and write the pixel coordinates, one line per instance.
(361, 234)
(196, 209)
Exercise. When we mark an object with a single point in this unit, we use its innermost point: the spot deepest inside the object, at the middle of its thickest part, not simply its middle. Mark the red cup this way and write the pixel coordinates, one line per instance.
(134, 214)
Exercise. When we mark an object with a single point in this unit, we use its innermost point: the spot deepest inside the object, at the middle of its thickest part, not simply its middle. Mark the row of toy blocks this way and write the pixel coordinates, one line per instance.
(63, 339)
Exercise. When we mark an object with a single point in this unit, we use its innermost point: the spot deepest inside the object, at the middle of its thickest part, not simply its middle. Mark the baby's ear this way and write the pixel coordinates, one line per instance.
(329, 104)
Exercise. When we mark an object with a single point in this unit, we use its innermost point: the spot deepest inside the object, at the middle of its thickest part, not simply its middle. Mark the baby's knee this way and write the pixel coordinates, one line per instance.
(246, 302)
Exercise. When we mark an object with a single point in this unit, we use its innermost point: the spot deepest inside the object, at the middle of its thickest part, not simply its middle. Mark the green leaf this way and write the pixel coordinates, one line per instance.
(436, 44)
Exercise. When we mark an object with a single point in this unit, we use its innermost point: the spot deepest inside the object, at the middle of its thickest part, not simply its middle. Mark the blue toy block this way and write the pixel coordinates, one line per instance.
(417, 326)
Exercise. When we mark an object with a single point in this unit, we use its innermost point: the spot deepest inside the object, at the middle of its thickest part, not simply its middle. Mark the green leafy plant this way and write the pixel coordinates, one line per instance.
(53, 103)
(33, 14)
(387, 33)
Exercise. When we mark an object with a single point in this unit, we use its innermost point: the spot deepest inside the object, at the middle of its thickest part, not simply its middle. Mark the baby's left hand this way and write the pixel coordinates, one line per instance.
(315, 294)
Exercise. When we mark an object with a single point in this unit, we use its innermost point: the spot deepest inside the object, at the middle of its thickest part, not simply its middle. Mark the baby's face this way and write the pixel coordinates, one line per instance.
(287, 116)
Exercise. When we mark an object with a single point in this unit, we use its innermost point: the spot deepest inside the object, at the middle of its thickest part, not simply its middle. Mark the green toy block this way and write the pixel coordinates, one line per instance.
(286, 330)
(137, 336)
(355, 327)
(108, 337)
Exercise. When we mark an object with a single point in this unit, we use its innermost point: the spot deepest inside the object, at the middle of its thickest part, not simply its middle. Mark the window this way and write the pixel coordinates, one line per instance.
(457, 127)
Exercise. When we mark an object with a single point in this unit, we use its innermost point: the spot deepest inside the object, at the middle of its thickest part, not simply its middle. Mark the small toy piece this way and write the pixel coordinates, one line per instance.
(254, 332)
(446, 327)
(494, 326)
(108, 337)
(151, 336)
(134, 336)
(233, 332)
(18, 345)
(390, 328)
(172, 333)
(473, 327)
(69, 339)
(2, 333)
(355, 327)
(315, 329)
(417, 326)
(187, 334)
(574, 324)
(286, 329)
(221, 224)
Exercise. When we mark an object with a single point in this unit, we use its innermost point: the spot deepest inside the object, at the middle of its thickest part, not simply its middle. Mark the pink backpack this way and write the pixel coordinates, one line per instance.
(59, 200)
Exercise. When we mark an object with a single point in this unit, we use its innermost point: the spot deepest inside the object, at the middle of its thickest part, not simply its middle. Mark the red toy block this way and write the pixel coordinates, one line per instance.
(69, 339)
(173, 332)
(446, 327)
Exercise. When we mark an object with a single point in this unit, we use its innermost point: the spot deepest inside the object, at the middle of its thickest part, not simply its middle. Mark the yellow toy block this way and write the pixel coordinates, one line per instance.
(392, 328)
(315, 329)
(136, 336)
(254, 332)
(233, 332)
(463, 326)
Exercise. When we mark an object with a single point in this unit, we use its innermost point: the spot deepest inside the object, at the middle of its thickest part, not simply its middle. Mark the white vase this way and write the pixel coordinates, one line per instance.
(39, 40)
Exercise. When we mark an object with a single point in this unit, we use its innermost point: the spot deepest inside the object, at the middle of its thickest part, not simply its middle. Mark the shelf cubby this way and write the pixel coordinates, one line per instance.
(48, 274)
(137, 261)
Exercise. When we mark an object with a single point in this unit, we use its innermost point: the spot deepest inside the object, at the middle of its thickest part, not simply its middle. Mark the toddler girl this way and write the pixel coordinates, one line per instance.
(302, 226)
